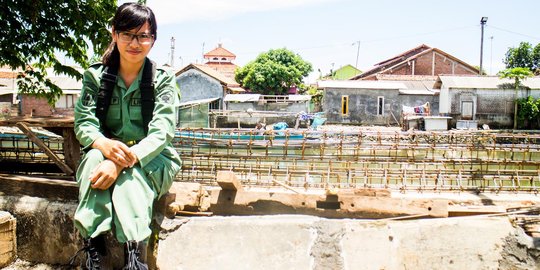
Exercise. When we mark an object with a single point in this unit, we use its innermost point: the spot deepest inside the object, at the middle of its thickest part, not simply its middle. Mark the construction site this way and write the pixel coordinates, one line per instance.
(333, 198)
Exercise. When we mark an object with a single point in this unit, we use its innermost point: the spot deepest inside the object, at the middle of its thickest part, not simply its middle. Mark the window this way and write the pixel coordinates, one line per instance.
(467, 109)
(380, 105)
(214, 105)
(344, 105)
(66, 101)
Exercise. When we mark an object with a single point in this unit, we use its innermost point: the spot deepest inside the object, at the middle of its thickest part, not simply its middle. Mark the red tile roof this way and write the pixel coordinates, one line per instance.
(404, 57)
(219, 52)
(226, 69)
(210, 72)
(8, 74)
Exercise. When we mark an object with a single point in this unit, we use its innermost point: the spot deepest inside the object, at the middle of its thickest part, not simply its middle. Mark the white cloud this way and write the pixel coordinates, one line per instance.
(170, 12)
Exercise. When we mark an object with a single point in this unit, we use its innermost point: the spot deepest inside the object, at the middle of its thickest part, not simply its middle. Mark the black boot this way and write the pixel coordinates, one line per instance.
(135, 256)
(95, 250)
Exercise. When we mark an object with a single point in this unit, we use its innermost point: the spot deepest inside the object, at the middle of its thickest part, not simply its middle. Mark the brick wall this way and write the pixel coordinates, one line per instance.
(35, 106)
(423, 66)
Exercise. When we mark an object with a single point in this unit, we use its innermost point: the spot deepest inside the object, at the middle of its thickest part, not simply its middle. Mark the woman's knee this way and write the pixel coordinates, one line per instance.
(94, 155)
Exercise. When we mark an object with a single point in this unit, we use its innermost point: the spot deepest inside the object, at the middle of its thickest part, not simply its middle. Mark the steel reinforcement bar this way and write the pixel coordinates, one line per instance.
(461, 160)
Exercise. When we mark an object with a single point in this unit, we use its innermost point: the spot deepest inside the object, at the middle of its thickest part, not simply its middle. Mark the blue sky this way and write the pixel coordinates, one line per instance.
(325, 32)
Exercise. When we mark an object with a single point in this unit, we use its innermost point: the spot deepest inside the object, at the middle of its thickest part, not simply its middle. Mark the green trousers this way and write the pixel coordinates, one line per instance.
(127, 203)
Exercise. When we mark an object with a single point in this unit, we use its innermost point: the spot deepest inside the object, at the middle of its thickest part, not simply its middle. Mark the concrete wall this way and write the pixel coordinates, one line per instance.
(494, 107)
(195, 85)
(275, 107)
(249, 122)
(363, 105)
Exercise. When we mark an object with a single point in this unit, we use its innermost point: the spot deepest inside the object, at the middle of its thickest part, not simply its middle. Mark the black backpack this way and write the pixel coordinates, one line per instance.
(108, 81)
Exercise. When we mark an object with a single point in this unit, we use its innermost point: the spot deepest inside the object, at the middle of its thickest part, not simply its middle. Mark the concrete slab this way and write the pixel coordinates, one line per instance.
(257, 242)
(453, 243)
(306, 242)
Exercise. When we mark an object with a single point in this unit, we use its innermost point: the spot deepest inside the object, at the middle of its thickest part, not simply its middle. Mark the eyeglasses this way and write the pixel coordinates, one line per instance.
(143, 38)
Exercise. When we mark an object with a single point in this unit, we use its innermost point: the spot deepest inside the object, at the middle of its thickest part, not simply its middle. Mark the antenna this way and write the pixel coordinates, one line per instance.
(172, 51)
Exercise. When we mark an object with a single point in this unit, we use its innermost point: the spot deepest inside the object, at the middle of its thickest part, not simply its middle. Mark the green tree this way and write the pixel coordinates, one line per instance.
(529, 110)
(273, 72)
(316, 94)
(35, 33)
(524, 56)
(518, 74)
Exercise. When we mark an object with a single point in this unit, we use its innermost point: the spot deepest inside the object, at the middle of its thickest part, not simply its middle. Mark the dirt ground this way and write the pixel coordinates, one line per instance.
(23, 265)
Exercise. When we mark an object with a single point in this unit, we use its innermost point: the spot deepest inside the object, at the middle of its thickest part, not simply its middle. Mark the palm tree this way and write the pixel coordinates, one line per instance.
(518, 74)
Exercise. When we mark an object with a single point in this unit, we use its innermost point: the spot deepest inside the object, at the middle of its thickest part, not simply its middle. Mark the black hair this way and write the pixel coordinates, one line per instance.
(128, 16)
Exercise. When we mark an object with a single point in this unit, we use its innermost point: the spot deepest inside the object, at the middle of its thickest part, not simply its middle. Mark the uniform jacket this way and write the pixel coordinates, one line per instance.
(124, 119)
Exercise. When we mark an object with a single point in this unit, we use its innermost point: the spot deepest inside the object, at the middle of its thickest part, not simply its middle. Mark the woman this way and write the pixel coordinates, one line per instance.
(127, 164)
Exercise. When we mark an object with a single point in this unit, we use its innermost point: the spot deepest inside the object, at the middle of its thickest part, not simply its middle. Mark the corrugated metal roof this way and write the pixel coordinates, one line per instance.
(199, 101)
(242, 97)
(361, 84)
(6, 86)
(424, 92)
(67, 83)
(483, 82)
(419, 85)
(237, 89)
(71, 91)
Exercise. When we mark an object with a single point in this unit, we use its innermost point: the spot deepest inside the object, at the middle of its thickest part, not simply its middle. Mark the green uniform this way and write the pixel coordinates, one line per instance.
(128, 202)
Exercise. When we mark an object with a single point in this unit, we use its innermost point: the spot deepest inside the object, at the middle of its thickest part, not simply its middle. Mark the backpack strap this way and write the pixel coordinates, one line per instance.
(108, 81)
(147, 93)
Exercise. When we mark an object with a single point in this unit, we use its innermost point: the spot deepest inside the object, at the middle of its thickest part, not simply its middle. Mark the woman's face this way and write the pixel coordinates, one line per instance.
(134, 45)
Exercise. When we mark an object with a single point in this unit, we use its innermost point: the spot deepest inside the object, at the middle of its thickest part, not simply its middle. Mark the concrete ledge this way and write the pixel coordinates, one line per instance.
(305, 242)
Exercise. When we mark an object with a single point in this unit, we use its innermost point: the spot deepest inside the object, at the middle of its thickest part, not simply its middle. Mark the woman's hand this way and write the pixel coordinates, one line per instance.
(105, 174)
(116, 151)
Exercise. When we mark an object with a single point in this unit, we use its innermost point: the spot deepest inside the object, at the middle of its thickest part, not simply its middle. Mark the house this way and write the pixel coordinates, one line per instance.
(38, 106)
(8, 85)
(484, 99)
(270, 103)
(198, 82)
(195, 114)
(8, 92)
(375, 102)
(343, 73)
(32, 105)
(220, 59)
(202, 89)
(250, 109)
(422, 60)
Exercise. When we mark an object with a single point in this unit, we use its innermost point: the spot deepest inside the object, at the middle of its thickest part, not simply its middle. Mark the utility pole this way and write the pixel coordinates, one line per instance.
(482, 23)
(172, 51)
(202, 55)
(357, 53)
(491, 57)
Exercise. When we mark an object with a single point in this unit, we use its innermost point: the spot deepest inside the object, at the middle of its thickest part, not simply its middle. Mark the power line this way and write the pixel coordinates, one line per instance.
(375, 40)
(513, 32)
